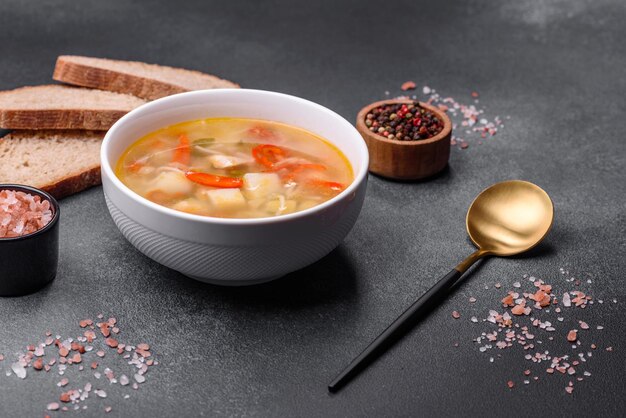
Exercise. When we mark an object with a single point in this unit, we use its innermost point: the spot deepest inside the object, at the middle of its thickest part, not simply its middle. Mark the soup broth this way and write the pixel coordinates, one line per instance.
(234, 168)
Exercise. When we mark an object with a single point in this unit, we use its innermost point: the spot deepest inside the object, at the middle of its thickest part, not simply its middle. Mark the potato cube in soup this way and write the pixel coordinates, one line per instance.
(261, 185)
(226, 161)
(226, 199)
(172, 183)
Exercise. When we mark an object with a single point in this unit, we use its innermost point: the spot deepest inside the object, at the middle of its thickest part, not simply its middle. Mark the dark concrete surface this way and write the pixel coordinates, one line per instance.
(555, 67)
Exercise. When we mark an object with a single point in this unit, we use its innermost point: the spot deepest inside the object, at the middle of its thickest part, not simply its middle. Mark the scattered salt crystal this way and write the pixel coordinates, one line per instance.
(53, 406)
(566, 300)
(139, 378)
(19, 370)
(408, 85)
(510, 332)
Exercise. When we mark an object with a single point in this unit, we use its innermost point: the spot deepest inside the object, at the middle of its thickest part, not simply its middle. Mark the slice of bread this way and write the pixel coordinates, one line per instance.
(59, 162)
(63, 107)
(148, 81)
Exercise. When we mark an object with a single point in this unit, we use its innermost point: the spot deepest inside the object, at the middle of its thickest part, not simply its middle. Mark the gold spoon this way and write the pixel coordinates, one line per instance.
(505, 219)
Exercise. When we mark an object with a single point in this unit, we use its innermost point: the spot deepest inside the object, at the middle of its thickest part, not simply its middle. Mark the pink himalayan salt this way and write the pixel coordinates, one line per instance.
(22, 213)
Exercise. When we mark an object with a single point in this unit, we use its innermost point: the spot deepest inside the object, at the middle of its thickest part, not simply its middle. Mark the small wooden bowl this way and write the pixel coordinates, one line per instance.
(406, 160)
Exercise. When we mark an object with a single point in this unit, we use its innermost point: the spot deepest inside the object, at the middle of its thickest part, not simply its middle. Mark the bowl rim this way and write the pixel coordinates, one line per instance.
(364, 130)
(45, 195)
(107, 167)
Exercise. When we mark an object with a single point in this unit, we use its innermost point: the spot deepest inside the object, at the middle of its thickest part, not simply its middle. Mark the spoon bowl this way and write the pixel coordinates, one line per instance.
(509, 218)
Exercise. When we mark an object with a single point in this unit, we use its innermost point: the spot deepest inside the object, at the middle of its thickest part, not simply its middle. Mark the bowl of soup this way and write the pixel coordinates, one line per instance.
(234, 187)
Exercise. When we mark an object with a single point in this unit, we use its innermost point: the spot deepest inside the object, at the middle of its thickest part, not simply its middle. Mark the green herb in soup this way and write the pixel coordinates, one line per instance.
(234, 168)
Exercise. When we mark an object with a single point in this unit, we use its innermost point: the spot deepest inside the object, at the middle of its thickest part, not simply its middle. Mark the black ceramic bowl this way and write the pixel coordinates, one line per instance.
(29, 262)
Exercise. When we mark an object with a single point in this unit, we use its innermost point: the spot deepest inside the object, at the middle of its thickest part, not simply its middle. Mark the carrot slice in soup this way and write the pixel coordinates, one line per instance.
(213, 180)
(268, 155)
(182, 153)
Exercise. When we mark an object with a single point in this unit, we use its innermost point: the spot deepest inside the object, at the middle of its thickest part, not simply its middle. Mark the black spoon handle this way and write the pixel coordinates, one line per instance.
(398, 328)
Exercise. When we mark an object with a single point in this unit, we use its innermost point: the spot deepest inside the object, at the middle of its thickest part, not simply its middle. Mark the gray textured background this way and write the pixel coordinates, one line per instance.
(556, 67)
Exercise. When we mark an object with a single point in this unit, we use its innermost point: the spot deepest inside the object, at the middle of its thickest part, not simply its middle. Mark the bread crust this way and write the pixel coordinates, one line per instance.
(94, 120)
(74, 184)
(79, 74)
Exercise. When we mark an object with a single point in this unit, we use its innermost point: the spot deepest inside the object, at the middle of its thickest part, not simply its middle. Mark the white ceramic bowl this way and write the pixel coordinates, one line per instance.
(233, 251)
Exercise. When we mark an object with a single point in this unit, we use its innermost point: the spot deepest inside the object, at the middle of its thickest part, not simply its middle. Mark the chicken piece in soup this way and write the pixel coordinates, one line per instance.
(234, 168)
